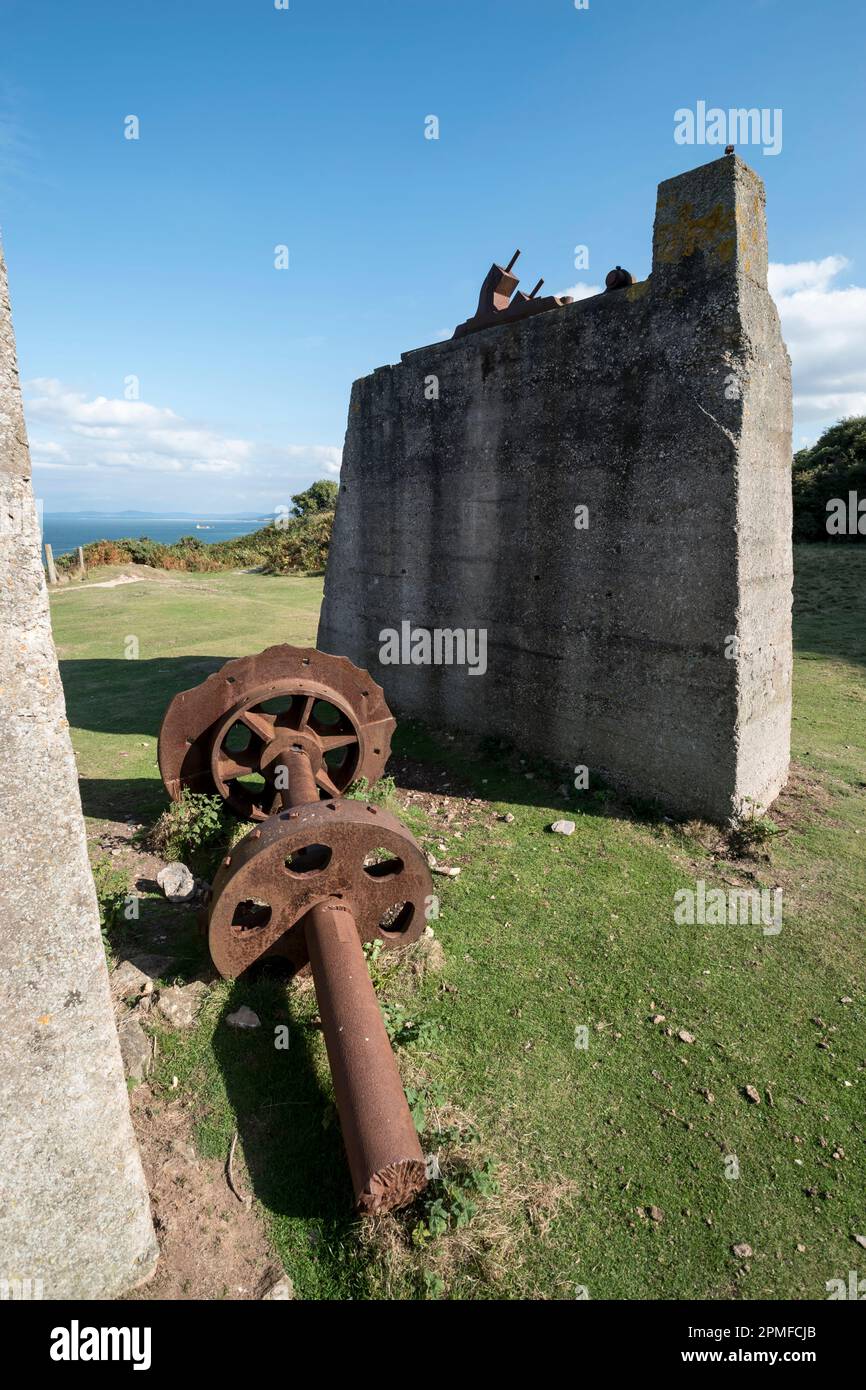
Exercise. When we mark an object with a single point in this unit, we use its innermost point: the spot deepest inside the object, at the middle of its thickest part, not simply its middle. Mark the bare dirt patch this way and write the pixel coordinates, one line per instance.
(212, 1246)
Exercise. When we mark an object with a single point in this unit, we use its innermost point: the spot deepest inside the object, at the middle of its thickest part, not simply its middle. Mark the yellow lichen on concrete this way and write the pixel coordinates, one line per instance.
(684, 233)
(638, 290)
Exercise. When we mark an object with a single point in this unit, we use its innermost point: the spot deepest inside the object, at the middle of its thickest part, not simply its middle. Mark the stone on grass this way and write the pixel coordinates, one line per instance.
(176, 882)
(134, 1048)
(127, 980)
(282, 1290)
(180, 1004)
(685, 1036)
(428, 954)
(154, 967)
(244, 1018)
(743, 1251)
(563, 827)
(752, 1094)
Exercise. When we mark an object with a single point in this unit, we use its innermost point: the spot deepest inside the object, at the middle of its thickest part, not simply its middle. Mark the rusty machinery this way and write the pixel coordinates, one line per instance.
(280, 736)
(496, 304)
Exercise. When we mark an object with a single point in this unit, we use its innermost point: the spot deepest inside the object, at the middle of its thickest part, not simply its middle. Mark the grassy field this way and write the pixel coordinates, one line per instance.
(630, 1168)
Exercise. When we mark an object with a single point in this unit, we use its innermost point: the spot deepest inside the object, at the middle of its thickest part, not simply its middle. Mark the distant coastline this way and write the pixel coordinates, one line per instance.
(65, 531)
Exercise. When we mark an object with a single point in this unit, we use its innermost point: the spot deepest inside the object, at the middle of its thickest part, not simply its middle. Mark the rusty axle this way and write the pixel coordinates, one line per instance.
(382, 1147)
(385, 1158)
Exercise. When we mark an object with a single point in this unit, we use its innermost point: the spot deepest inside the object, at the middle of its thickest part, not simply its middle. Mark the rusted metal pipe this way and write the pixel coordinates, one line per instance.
(382, 1147)
(381, 1142)
(300, 778)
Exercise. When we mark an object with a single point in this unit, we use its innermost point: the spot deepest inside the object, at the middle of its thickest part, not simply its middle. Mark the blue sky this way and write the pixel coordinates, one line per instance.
(305, 127)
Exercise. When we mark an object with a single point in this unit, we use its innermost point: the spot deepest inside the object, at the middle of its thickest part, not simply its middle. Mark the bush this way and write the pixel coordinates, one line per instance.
(298, 546)
(830, 469)
(193, 823)
(320, 497)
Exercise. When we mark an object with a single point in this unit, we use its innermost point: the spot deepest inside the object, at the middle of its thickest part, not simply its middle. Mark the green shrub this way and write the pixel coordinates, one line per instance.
(830, 469)
(382, 793)
(321, 496)
(112, 889)
(193, 823)
(297, 546)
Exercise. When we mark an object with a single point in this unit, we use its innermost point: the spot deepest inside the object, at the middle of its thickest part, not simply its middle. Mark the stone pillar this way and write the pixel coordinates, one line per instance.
(654, 645)
(74, 1209)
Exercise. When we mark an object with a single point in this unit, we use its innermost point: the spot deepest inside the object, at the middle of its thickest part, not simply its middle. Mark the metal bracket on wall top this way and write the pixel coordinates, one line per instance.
(496, 305)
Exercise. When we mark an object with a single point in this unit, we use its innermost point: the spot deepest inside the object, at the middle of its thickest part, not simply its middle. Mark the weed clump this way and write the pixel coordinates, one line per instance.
(112, 890)
(193, 823)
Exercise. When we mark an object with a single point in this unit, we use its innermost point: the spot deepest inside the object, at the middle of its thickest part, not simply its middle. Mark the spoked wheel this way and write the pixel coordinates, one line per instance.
(251, 742)
(230, 735)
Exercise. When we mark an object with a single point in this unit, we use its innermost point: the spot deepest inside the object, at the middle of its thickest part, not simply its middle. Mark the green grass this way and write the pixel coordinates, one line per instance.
(543, 935)
(185, 626)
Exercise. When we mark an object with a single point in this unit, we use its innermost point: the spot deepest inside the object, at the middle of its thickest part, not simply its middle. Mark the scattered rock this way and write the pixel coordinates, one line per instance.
(127, 980)
(658, 1018)
(446, 872)
(180, 1004)
(282, 1290)
(134, 1048)
(655, 1214)
(563, 827)
(685, 1036)
(743, 1251)
(861, 1240)
(244, 1018)
(176, 882)
(154, 967)
(431, 859)
(508, 818)
(751, 1093)
(429, 955)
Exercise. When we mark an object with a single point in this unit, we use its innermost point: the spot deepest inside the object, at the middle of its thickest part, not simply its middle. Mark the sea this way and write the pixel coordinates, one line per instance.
(65, 531)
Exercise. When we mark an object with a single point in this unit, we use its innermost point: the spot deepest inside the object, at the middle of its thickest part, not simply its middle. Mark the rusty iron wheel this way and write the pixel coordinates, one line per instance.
(228, 735)
(343, 851)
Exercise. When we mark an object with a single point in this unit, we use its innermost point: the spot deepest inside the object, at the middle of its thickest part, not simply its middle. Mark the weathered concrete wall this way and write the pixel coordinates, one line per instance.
(74, 1209)
(665, 409)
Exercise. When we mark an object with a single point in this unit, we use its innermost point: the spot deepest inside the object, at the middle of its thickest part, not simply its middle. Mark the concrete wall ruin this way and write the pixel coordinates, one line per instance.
(74, 1209)
(655, 645)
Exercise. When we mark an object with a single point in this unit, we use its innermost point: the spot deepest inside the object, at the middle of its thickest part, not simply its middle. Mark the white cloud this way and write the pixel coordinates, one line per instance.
(328, 455)
(824, 326)
(582, 290)
(124, 434)
(804, 275)
(78, 435)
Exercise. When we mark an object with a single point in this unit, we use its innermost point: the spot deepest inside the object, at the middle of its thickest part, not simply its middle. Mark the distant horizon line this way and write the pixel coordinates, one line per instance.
(131, 511)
